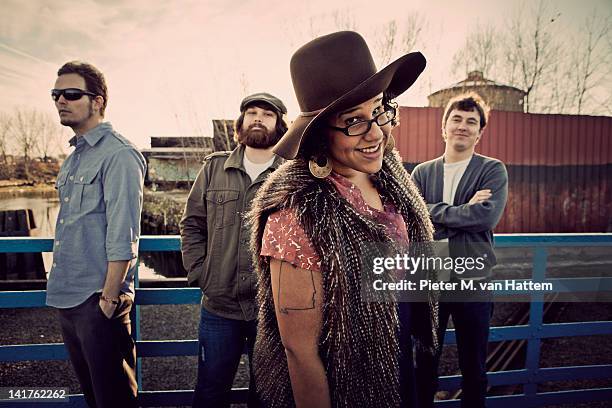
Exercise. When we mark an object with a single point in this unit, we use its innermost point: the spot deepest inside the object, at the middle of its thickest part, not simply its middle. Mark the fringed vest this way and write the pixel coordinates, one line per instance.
(358, 344)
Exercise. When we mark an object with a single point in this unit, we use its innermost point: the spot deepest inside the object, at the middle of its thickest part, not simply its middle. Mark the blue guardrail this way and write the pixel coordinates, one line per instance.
(533, 332)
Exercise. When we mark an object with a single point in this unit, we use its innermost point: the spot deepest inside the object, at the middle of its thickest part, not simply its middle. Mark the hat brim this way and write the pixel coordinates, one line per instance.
(394, 79)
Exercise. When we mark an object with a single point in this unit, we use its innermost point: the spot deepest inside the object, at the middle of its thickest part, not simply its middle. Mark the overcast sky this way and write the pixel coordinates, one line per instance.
(171, 66)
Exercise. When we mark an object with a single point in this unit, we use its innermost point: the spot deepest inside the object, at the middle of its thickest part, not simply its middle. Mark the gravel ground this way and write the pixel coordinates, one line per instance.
(35, 326)
(556, 352)
(32, 326)
(587, 350)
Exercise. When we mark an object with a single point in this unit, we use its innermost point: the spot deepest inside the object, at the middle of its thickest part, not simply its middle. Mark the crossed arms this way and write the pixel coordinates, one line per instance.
(481, 213)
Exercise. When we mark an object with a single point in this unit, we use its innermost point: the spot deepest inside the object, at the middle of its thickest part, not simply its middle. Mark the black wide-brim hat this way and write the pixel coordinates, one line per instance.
(336, 72)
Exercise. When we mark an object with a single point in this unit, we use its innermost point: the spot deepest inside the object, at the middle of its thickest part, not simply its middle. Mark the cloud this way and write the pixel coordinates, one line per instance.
(173, 66)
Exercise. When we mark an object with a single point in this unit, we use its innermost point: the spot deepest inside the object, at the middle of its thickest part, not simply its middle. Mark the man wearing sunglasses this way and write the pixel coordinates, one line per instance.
(215, 245)
(91, 282)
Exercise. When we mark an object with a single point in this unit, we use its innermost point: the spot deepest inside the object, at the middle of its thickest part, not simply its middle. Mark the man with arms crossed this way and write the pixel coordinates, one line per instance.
(91, 282)
(466, 194)
(215, 246)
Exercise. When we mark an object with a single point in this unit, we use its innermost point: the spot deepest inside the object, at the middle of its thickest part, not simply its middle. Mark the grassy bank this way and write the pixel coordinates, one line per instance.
(27, 190)
(162, 212)
(38, 172)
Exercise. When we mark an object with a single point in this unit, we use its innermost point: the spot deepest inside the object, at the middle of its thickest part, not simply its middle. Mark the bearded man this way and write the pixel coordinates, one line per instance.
(215, 246)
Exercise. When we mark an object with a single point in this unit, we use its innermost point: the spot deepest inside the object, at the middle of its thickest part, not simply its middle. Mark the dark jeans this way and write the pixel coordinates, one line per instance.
(102, 352)
(221, 343)
(471, 320)
(408, 391)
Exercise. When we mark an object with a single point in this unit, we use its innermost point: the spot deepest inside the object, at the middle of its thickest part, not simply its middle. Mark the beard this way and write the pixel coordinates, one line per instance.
(258, 137)
(75, 122)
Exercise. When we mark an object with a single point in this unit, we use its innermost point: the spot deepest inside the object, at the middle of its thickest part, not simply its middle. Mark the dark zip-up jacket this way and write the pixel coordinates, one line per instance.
(215, 236)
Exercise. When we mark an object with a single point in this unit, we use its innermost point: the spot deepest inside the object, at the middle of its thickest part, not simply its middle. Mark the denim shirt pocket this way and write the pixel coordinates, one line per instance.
(222, 203)
(87, 193)
(61, 180)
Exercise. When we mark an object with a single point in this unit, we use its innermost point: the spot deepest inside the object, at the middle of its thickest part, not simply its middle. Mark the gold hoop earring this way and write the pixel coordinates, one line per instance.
(320, 167)
(390, 144)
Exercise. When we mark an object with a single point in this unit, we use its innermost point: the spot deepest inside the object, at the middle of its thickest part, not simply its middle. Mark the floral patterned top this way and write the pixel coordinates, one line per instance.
(285, 239)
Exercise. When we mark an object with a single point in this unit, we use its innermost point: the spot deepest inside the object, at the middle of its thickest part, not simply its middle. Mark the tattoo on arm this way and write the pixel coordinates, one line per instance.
(308, 304)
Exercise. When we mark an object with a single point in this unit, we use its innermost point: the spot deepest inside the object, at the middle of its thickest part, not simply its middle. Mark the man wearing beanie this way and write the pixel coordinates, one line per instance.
(215, 246)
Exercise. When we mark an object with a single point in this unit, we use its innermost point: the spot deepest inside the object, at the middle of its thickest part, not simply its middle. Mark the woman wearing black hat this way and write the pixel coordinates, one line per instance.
(319, 342)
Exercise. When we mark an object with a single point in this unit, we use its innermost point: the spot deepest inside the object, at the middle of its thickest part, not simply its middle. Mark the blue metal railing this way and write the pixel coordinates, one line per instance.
(533, 332)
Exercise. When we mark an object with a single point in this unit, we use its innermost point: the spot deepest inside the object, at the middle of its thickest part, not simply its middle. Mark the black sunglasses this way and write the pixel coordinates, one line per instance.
(70, 94)
(363, 126)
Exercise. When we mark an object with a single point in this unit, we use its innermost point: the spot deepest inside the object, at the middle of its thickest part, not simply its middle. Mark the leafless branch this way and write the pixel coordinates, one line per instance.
(48, 135)
(5, 129)
(344, 20)
(592, 61)
(411, 32)
(395, 38)
(386, 42)
(531, 49)
(480, 51)
(27, 127)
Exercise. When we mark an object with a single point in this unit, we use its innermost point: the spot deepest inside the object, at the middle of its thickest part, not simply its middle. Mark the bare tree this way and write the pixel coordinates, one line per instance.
(314, 27)
(411, 31)
(62, 137)
(27, 125)
(528, 54)
(531, 49)
(479, 53)
(344, 19)
(5, 128)
(577, 81)
(48, 136)
(244, 84)
(223, 135)
(297, 32)
(393, 38)
(385, 42)
(592, 58)
(562, 97)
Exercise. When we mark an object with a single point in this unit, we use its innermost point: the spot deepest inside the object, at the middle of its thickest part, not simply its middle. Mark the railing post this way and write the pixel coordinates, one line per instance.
(536, 314)
(136, 327)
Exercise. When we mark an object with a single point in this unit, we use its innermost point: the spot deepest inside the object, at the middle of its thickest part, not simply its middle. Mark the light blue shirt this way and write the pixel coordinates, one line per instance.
(100, 189)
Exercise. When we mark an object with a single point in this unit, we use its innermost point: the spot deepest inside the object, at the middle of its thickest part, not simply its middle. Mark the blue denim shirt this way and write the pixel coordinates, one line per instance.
(100, 189)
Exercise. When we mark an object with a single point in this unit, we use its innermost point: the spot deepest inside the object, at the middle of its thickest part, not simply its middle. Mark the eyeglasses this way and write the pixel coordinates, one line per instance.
(362, 127)
(70, 94)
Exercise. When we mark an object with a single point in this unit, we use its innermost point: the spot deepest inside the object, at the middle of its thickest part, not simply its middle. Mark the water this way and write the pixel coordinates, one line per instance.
(45, 206)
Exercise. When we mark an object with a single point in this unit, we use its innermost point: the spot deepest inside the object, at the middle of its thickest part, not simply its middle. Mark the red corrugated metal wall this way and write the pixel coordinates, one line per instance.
(559, 166)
